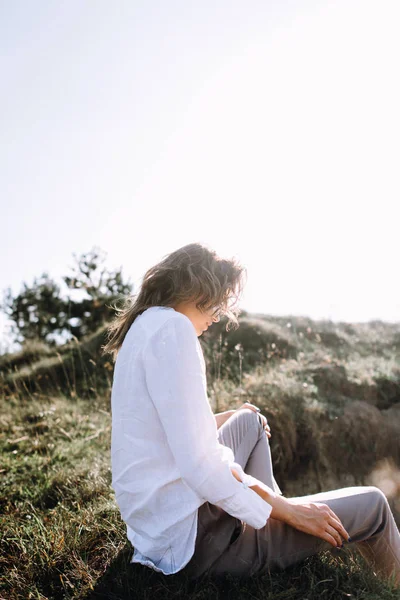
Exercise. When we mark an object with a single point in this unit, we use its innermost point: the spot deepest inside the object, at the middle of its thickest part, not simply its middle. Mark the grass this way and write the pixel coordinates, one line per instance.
(62, 535)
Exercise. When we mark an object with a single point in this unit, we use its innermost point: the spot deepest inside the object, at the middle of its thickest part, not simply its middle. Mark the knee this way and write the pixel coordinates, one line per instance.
(247, 415)
(378, 498)
(250, 419)
(377, 494)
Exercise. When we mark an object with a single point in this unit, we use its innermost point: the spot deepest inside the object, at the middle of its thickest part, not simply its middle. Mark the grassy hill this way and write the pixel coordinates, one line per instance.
(331, 392)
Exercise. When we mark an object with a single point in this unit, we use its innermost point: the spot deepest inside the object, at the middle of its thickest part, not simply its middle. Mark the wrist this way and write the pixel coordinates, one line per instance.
(282, 509)
(221, 418)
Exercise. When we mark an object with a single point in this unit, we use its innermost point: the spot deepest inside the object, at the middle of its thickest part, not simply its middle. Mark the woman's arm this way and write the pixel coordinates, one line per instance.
(315, 518)
(221, 418)
(177, 386)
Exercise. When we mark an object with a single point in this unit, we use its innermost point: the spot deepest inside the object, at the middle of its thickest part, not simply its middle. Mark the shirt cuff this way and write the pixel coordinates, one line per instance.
(246, 504)
(249, 480)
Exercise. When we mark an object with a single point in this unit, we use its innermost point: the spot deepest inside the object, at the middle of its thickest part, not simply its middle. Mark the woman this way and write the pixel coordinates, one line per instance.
(196, 490)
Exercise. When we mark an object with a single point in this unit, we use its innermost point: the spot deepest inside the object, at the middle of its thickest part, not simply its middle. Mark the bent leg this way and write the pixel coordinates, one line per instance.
(365, 514)
(244, 434)
(216, 529)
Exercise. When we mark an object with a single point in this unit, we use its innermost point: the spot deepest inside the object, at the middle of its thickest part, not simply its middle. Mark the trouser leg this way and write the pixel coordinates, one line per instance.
(363, 510)
(216, 529)
(378, 537)
(365, 514)
(245, 435)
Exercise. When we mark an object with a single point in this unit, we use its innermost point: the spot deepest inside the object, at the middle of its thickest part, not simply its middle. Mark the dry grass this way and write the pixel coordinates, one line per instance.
(334, 421)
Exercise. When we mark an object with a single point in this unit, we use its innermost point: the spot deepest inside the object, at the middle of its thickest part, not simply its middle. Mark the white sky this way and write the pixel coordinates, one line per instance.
(268, 130)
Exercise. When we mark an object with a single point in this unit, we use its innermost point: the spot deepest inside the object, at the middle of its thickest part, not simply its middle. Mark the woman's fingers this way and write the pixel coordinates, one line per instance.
(250, 406)
(339, 525)
(333, 532)
(266, 426)
(319, 520)
(257, 410)
(329, 538)
(265, 423)
(333, 521)
(335, 528)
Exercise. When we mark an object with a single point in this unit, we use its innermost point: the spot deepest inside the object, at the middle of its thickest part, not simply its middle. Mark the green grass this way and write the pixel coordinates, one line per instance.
(63, 536)
(331, 394)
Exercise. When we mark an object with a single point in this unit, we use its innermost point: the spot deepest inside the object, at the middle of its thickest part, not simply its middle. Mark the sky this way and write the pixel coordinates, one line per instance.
(269, 131)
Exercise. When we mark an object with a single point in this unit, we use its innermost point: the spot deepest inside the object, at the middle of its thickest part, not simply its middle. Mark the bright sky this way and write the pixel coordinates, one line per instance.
(268, 130)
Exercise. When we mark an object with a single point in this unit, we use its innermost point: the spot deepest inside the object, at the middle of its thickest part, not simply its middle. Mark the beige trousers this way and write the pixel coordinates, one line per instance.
(225, 544)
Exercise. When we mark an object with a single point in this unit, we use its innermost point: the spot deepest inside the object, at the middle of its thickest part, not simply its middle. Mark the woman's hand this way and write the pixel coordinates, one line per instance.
(317, 519)
(221, 418)
(250, 406)
(263, 418)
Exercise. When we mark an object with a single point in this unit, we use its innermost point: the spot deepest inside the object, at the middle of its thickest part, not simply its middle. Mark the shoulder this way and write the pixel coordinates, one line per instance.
(175, 342)
(180, 322)
(177, 328)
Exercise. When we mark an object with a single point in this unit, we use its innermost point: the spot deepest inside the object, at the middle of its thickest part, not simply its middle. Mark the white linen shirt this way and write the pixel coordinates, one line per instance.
(165, 455)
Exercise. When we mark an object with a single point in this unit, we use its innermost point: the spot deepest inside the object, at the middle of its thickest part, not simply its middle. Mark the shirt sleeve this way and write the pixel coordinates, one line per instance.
(173, 364)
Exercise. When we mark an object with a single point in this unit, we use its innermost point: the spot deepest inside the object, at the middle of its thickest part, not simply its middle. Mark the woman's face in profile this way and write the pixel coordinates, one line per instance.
(201, 320)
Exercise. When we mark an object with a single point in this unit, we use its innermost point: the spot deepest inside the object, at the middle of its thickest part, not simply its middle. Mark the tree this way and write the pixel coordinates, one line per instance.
(102, 288)
(37, 312)
(40, 312)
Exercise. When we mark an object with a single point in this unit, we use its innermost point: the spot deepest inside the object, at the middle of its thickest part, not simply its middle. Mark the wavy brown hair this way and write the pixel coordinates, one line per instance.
(192, 273)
